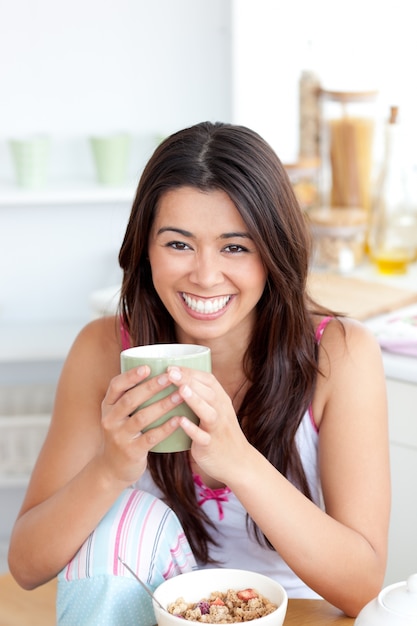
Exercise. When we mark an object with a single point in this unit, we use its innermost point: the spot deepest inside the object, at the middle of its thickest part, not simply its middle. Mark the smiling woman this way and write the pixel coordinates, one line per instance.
(288, 470)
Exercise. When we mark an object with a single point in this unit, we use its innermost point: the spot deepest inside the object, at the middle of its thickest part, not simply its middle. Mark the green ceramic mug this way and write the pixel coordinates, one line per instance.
(158, 357)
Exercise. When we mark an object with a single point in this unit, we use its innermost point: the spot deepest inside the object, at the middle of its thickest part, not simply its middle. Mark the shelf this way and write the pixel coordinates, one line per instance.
(66, 195)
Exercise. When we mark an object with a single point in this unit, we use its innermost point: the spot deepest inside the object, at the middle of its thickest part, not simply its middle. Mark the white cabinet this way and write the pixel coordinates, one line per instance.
(402, 405)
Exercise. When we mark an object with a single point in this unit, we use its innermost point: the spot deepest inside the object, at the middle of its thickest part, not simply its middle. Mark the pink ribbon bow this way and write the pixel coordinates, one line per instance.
(205, 493)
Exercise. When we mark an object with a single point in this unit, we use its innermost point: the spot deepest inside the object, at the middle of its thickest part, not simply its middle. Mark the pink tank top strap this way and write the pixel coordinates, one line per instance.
(124, 335)
(322, 326)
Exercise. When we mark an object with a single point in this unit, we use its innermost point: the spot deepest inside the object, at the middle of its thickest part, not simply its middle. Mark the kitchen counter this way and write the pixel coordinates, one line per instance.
(368, 271)
(37, 608)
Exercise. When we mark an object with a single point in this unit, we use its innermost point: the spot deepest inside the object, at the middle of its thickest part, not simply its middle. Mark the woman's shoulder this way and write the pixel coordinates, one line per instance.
(348, 346)
(98, 341)
(100, 331)
(344, 333)
(349, 358)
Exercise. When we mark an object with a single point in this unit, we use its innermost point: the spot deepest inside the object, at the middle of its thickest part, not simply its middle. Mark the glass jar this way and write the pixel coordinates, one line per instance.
(347, 138)
(304, 179)
(339, 236)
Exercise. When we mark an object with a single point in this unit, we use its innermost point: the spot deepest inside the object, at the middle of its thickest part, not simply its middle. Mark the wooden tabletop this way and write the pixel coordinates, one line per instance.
(37, 608)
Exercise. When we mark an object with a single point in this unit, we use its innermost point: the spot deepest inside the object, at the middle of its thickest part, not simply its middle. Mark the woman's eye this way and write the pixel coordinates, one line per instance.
(234, 248)
(177, 245)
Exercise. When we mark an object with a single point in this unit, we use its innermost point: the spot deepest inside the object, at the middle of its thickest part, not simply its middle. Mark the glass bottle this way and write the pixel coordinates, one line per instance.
(391, 238)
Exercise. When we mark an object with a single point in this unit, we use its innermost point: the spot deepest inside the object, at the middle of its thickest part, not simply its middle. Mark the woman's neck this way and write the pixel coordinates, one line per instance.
(227, 366)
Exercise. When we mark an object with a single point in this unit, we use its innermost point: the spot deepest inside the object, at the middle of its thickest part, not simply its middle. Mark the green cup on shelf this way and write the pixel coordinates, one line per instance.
(31, 159)
(111, 157)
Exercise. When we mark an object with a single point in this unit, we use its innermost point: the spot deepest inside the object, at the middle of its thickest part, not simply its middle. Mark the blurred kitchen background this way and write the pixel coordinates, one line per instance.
(75, 76)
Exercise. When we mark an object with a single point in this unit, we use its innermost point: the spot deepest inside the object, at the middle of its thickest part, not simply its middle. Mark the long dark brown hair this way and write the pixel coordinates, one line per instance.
(283, 349)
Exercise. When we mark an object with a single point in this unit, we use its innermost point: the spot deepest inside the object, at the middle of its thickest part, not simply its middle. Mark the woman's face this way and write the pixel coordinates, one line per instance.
(205, 266)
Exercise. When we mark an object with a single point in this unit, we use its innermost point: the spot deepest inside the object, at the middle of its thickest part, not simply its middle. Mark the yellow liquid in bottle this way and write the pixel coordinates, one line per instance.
(392, 262)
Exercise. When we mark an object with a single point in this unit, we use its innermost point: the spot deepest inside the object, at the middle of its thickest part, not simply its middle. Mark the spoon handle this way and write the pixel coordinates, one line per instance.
(145, 587)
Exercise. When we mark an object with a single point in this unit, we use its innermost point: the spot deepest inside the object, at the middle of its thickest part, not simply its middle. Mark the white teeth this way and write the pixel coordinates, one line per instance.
(206, 306)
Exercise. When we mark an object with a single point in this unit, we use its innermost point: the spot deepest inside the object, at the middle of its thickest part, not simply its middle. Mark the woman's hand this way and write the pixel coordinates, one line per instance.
(125, 447)
(218, 441)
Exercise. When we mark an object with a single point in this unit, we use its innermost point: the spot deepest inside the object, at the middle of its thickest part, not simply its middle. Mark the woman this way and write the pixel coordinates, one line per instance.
(288, 472)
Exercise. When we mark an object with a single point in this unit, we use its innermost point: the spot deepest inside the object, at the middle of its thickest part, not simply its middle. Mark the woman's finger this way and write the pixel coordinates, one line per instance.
(198, 435)
(202, 393)
(140, 419)
(123, 382)
(132, 389)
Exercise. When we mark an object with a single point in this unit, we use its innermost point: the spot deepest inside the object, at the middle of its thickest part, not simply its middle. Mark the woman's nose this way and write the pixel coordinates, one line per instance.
(207, 270)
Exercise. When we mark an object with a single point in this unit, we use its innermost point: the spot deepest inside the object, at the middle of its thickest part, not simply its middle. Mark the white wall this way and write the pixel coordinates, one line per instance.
(92, 65)
(72, 69)
(53, 257)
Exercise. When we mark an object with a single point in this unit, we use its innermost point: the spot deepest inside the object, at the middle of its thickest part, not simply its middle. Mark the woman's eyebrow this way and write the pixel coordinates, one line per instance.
(187, 233)
(180, 231)
(234, 234)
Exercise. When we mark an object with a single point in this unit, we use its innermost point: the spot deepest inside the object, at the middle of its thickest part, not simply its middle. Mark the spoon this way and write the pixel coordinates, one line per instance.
(145, 587)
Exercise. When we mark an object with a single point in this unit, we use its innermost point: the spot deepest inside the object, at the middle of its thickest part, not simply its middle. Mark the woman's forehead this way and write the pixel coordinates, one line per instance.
(190, 209)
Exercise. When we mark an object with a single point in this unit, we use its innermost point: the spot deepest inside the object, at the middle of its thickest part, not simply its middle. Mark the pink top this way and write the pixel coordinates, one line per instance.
(124, 336)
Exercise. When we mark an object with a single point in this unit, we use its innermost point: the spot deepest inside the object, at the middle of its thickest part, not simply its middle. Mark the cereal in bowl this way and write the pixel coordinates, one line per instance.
(224, 608)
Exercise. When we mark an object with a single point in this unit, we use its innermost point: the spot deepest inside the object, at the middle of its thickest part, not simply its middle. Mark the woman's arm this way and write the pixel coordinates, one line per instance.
(340, 553)
(91, 453)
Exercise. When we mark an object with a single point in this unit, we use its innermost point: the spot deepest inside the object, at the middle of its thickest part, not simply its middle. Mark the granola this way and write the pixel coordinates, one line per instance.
(224, 608)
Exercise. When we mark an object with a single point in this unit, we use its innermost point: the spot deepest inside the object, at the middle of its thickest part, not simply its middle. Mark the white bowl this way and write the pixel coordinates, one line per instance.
(195, 586)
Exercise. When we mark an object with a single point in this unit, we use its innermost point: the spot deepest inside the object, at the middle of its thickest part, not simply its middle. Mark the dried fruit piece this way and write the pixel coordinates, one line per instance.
(204, 607)
(247, 594)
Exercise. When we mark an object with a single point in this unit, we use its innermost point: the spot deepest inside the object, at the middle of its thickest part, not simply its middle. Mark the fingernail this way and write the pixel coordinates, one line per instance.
(163, 380)
(186, 391)
(174, 373)
(175, 398)
(174, 422)
(141, 370)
